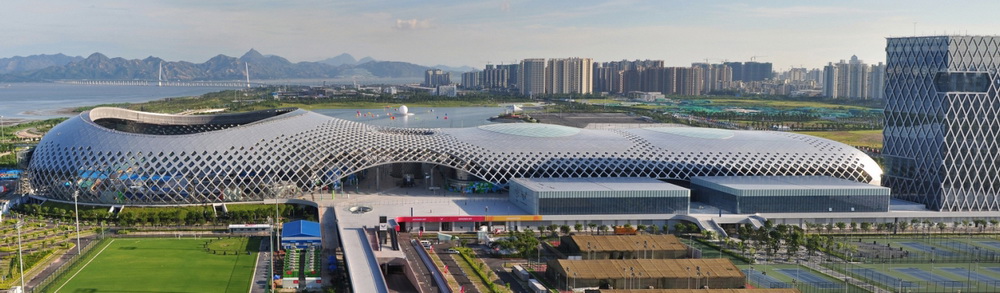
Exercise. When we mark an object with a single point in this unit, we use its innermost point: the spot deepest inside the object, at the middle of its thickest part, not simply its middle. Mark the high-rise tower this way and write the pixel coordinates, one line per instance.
(942, 121)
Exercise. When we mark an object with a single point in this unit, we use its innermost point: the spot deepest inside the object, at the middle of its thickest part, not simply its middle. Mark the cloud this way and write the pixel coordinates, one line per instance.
(505, 6)
(412, 24)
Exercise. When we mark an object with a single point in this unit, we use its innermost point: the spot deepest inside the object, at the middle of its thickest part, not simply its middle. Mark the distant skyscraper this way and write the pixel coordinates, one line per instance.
(751, 71)
(436, 77)
(569, 76)
(715, 76)
(876, 84)
(941, 121)
(472, 80)
(495, 77)
(531, 77)
(850, 79)
(857, 79)
(830, 82)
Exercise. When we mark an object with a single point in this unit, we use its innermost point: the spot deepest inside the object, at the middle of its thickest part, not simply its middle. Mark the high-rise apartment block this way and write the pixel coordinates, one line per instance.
(494, 77)
(472, 80)
(942, 132)
(751, 71)
(569, 76)
(853, 79)
(531, 76)
(436, 77)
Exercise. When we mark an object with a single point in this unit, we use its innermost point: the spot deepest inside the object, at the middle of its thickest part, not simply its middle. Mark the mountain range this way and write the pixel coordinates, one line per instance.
(221, 67)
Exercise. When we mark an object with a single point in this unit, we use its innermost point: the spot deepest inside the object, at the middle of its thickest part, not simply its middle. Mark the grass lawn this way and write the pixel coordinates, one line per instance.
(780, 105)
(158, 265)
(869, 138)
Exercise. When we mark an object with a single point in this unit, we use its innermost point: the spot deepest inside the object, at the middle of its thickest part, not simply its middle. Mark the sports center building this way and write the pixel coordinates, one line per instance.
(118, 156)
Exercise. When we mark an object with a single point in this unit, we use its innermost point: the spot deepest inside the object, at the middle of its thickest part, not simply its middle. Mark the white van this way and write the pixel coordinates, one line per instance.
(425, 244)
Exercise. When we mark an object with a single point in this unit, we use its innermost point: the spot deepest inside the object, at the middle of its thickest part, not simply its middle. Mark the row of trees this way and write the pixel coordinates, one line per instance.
(190, 215)
(773, 239)
(912, 226)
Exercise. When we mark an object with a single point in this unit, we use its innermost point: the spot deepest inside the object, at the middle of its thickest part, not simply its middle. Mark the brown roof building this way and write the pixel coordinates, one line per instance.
(643, 246)
(645, 273)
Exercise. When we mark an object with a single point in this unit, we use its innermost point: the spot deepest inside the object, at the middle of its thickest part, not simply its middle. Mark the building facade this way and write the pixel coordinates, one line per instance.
(531, 77)
(941, 128)
(569, 76)
(436, 77)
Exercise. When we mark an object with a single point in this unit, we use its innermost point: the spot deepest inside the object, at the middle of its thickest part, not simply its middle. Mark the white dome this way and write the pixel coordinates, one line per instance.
(403, 109)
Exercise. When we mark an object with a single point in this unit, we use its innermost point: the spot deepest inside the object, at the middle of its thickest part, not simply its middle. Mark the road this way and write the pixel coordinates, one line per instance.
(451, 261)
(57, 264)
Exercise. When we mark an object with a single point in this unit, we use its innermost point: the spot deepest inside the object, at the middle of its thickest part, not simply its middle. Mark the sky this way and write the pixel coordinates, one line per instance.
(474, 33)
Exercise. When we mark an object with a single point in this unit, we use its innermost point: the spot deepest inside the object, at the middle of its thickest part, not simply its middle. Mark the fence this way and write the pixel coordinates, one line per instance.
(927, 249)
(69, 264)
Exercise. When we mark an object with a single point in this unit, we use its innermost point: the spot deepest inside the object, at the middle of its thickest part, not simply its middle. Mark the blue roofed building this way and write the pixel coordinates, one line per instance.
(300, 234)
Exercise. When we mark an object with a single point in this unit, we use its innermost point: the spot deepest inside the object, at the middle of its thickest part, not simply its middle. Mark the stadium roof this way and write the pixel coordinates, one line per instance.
(300, 228)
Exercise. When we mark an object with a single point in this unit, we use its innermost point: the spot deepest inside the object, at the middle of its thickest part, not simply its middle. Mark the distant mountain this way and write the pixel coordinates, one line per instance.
(366, 60)
(220, 67)
(34, 62)
(393, 69)
(340, 60)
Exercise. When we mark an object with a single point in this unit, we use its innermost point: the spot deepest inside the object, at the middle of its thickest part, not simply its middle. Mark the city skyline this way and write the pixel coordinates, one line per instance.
(786, 33)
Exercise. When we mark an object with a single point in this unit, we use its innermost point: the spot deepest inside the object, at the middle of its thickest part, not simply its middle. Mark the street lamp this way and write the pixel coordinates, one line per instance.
(567, 278)
(689, 276)
(76, 209)
(20, 259)
(270, 246)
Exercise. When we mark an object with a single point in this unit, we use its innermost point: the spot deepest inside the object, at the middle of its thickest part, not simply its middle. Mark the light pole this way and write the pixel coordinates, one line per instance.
(270, 246)
(20, 259)
(76, 209)
(567, 279)
(689, 276)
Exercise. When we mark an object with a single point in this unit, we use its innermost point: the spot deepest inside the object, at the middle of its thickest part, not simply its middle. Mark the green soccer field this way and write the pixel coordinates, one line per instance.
(159, 265)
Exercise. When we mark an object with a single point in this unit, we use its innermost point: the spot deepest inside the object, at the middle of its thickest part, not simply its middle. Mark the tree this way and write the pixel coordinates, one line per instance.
(854, 227)
(841, 226)
(602, 228)
(942, 226)
(564, 229)
(994, 223)
(577, 227)
(592, 226)
(866, 226)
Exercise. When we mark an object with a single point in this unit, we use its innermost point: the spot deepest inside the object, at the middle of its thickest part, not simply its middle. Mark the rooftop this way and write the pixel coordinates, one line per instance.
(595, 184)
(648, 268)
(784, 182)
(599, 243)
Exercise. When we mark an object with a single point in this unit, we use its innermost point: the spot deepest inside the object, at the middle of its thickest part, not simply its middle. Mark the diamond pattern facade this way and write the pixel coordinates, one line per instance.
(112, 156)
(942, 127)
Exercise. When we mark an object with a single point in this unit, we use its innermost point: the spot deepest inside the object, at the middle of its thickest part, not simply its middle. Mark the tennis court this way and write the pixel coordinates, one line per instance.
(928, 276)
(765, 281)
(929, 249)
(807, 277)
(884, 279)
(965, 273)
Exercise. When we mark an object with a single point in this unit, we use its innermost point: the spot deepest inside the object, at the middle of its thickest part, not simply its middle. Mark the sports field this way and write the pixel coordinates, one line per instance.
(160, 265)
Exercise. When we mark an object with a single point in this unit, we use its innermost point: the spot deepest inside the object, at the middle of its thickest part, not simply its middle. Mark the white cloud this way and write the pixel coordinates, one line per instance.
(412, 24)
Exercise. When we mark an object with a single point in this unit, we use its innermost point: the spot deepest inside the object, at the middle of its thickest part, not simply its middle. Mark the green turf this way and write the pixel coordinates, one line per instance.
(158, 265)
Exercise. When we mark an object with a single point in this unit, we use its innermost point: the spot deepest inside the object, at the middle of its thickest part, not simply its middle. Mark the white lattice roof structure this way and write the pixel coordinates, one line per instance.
(111, 155)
